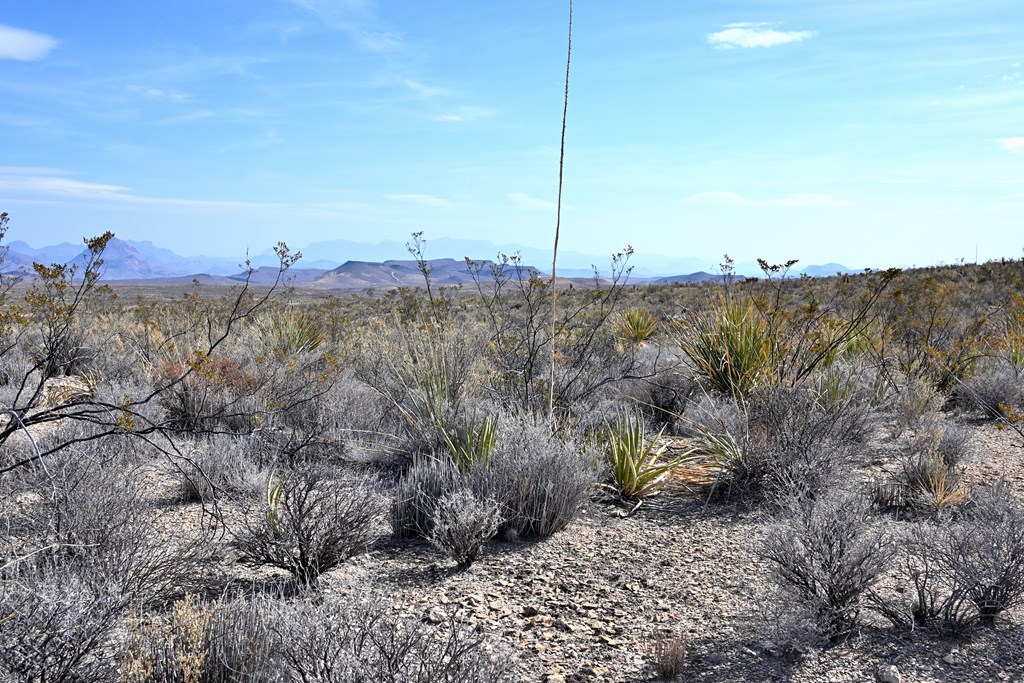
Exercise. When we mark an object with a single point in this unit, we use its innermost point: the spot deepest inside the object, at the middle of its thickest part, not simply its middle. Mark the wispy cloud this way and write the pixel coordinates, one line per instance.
(760, 34)
(422, 89)
(379, 42)
(420, 200)
(48, 183)
(464, 113)
(795, 199)
(23, 45)
(1013, 144)
(525, 201)
(163, 94)
(356, 19)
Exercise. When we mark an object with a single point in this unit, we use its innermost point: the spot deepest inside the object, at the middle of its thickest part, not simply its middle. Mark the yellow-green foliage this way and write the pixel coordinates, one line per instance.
(638, 469)
(635, 326)
(730, 347)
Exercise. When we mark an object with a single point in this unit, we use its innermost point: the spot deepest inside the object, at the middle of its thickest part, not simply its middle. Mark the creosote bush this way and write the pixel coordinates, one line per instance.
(264, 640)
(825, 555)
(307, 523)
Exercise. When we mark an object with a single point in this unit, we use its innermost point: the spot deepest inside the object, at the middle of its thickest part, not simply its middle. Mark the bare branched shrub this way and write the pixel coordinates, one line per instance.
(339, 642)
(462, 524)
(55, 620)
(825, 555)
(984, 554)
(965, 571)
(993, 388)
(202, 642)
(90, 512)
(307, 524)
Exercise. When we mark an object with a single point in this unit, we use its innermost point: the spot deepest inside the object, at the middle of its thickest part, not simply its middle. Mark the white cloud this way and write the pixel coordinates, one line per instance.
(33, 184)
(161, 94)
(24, 46)
(525, 201)
(1013, 144)
(379, 42)
(420, 199)
(463, 113)
(754, 35)
(422, 89)
(795, 199)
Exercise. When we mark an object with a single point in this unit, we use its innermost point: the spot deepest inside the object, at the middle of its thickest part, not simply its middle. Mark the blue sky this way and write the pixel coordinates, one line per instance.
(875, 132)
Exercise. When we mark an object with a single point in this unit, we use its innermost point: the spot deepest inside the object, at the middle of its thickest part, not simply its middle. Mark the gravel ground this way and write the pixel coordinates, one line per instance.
(588, 603)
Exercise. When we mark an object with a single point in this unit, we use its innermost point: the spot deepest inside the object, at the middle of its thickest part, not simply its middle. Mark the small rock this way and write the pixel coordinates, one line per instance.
(530, 611)
(436, 615)
(951, 659)
(888, 674)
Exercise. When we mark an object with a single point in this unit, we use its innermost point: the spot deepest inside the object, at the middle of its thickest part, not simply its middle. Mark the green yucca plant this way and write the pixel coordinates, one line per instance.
(730, 347)
(638, 468)
(474, 443)
(635, 326)
(287, 333)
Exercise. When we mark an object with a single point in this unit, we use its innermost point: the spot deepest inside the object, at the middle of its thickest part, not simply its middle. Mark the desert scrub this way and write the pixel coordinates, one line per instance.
(780, 444)
(57, 620)
(965, 569)
(825, 555)
(539, 481)
(931, 471)
(462, 523)
(90, 513)
(224, 465)
(917, 401)
(307, 524)
(994, 388)
(425, 373)
(202, 641)
(359, 640)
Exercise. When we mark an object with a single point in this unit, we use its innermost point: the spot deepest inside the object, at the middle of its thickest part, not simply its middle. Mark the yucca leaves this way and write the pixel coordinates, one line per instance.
(638, 468)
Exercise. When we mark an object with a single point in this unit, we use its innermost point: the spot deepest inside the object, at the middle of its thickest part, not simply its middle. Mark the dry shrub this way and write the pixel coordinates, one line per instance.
(538, 480)
(202, 642)
(669, 655)
(825, 555)
(307, 524)
(965, 570)
(462, 524)
(931, 474)
(55, 620)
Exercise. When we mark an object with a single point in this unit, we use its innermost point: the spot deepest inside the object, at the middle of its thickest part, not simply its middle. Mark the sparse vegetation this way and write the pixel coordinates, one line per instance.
(184, 441)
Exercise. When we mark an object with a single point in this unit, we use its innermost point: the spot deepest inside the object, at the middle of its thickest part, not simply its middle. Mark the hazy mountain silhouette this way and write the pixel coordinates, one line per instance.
(363, 265)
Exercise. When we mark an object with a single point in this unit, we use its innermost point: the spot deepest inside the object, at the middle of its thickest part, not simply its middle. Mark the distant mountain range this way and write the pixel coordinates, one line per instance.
(341, 264)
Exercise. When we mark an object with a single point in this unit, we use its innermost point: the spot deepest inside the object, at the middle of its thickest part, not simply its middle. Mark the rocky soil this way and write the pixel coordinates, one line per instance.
(588, 603)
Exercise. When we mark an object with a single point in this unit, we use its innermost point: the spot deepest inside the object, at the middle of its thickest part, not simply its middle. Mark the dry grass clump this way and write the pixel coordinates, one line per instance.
(668, 651)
